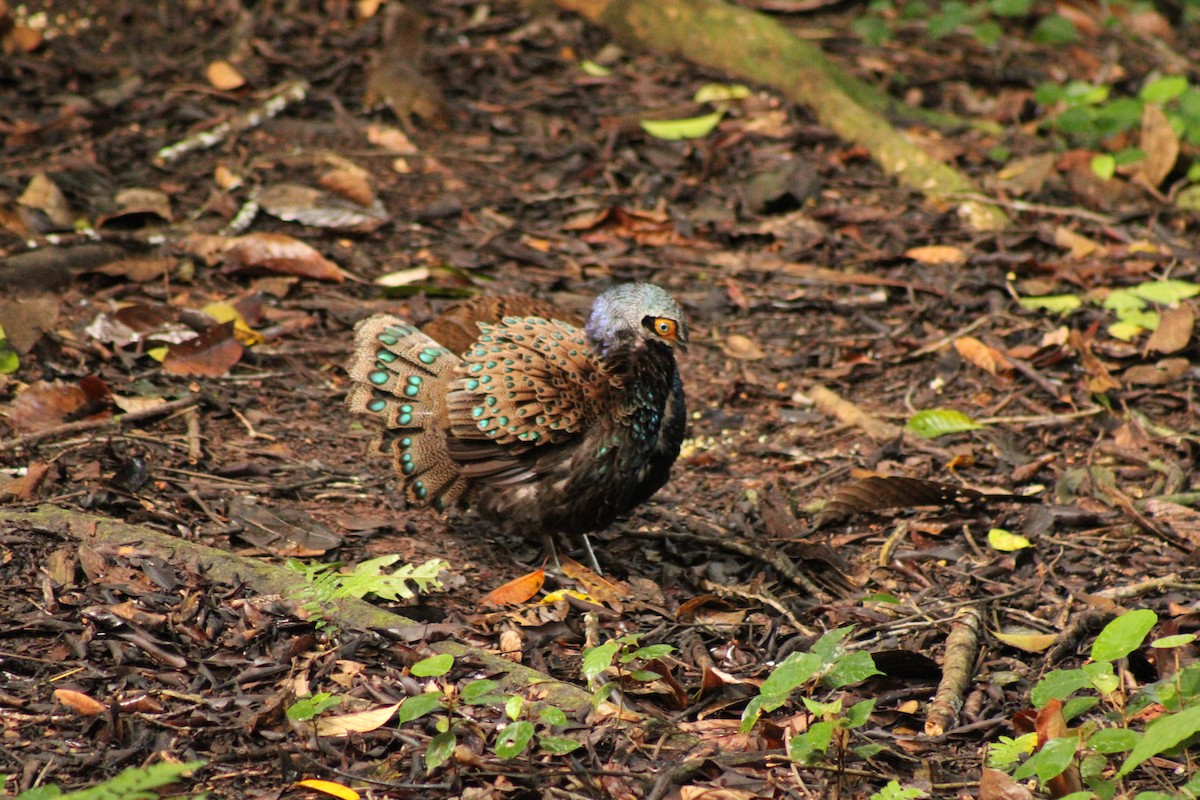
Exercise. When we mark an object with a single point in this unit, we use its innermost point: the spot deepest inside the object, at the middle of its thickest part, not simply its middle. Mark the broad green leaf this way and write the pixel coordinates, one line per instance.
(513, 740)
(1122, 299)
(306, 708)
(10, 362)
(819, 709)
(1078, 706)
(858, 714)
(673, 130)
(418, 705)
(1054, 303)
(558, 745)
(1010, 8)
(481, 692)
(1049, 762)
(513, 706)
(1006, 541)
(1163, 90)
(1104, 166)
(433, 666)
(649, 652)
(829, 646)
(599, 658)
(894, 791)
(1057, 685)
(789, 675)
(1113, 740)
(850, 669)
(717, 92)
(441, 747)
(811, 744)
(552, 715)
(1125, 331)
(881, 597)
(934, 422)
(1102, 676)
(1166, 292)
(1123, 635)
(1162, 734)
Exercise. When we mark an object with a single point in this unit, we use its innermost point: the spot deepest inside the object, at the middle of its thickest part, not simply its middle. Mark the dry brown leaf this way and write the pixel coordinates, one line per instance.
(742, 347)
(276, 252)
(43, 194)
(1174, 331)
(517, 591)
(986, 358)
(140, 202)
(23, 39)
(1160, 143)
(391, 139)
(599, 588)
(43, 405)
(997, 785)
(359, 722)
(1079, 245)
(353, 184)
(1025, 176)
(224, 76)
(25, 487)
(25, 320)
(937, 254)
(79, 702)
(137, 270)
(211, 354)
(1162, 373)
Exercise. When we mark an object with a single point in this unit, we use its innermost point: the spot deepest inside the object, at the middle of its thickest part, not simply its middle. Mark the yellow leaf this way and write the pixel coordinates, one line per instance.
(1006, 541)
(1029, 641)
(330, 788)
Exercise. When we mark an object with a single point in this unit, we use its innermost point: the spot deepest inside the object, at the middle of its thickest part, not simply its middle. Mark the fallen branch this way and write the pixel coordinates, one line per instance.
(269, 579)
(755, 47)
(958, 667)
(72, 428)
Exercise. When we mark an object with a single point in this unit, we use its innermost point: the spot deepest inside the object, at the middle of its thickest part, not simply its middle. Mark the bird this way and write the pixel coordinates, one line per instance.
(542, 426)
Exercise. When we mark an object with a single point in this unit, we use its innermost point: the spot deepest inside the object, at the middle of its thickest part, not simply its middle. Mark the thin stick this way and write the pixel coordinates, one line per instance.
(71, 428)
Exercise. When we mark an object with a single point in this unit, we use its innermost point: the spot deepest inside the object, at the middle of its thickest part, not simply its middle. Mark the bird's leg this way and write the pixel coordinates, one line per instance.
(591, 554)
(550, 547)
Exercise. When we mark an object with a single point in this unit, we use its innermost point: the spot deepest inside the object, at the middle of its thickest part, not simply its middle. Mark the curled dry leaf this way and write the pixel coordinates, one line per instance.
(986, 358)
(1160, 143)
(294, 202)
(1162, 373)
(138, 203)
(359, 722)
(353, 184)
(137, 270)
(391, 139)
(24, 320)
(44, 405)
(42, 194)
(79, 702)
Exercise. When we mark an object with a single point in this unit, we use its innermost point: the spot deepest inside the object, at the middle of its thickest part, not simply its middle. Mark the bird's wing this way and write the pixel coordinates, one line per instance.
(526, 386)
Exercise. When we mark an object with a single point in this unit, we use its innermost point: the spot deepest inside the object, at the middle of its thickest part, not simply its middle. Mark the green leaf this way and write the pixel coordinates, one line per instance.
(134, 783)
(859, 713)
(819, 709)
(1101, 676)
(418, 705)
(558, 745)
(872, 30)
(308, 707)
(1006, 541)
(441, 747)
(894, 791)
(1123, 635)
(369, 578)
(1077, 706)
(1104, 166)
(813, 743)
(1166, 293)
(481, 693)
(1051, 761)
(881, 597)
(1057, 685)
(1010, 8)
(649, 653)
(829, 647)
(1008, 751)
(1113, 740)
(988, 32)
(719, 92)
(1162, 734)
(10, 362)
(1054, 29)
(1054, 303)
(552, 715)
(513, 739)
(593, 69)
(850, 669)
(675, 129)
(1163, 90)
(1049, 93)
(644, 675)
(934, 422)
(513, 706)
(789, 675)
(433, 666)
(599, 658)
(1178, 640)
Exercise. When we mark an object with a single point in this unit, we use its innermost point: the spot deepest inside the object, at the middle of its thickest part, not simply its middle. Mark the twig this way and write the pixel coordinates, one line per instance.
(962, 652)
(71, 428)
(281, 99)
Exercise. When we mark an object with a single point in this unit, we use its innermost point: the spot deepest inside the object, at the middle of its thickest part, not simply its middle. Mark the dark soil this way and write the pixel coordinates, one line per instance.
(532, 176)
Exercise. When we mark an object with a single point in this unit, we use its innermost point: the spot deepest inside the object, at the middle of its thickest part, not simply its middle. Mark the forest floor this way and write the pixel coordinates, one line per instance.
(513, 169)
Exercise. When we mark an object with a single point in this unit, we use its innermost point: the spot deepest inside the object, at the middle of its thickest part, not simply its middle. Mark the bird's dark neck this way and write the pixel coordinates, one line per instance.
(641, 363)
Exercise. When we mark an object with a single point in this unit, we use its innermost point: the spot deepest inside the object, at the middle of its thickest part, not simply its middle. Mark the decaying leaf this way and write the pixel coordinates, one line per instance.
(224, 76)
(211, 354)
(306, 205)
(517, 591)
(359, 722)
(1174, 331)
(1027, 640)
(277, 252)
(742, 347)
(986, 358)
(1160, 143)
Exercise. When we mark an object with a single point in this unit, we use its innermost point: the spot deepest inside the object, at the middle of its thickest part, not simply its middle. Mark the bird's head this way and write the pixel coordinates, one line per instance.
(633, 316)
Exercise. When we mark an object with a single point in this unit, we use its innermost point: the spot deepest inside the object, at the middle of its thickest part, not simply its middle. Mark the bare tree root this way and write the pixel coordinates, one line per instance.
(755, 47)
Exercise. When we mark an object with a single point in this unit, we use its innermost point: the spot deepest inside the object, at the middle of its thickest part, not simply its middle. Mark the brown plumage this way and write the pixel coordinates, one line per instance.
(541, 425)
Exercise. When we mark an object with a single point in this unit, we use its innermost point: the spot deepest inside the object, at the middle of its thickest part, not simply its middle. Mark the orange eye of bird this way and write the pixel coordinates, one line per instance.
(664, 327)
